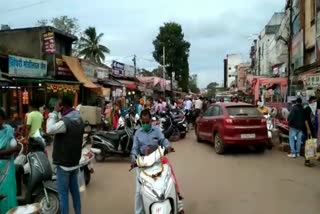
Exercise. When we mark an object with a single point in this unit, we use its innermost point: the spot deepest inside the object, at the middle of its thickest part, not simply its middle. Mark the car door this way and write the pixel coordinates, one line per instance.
(202, 122)
(212, 121)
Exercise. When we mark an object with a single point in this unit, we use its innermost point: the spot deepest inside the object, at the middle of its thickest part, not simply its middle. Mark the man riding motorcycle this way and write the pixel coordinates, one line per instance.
(145, 138)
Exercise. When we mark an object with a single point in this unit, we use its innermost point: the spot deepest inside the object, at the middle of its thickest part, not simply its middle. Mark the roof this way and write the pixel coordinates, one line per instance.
(230, 104)
(45, 28)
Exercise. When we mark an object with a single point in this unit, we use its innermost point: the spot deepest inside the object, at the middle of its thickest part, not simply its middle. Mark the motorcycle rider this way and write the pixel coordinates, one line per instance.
(144, 138)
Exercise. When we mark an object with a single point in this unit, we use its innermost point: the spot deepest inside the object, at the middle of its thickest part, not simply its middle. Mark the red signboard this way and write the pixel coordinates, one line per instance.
(49, 46)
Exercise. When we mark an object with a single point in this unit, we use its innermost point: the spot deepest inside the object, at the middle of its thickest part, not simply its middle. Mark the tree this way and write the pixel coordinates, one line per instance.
(212, 89)
(193, 84)
(171, 38)
(90, 46)
(64, 23)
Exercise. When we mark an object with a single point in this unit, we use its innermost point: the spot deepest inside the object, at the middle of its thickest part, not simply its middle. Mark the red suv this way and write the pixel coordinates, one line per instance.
(232, 123)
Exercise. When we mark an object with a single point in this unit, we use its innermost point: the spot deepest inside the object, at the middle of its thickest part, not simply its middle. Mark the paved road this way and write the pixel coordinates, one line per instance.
(237, 183)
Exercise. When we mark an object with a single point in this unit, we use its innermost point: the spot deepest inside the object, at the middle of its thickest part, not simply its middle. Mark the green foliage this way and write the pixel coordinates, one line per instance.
(212, 89)
(64, 23)
(90, 46)
(176, 52)
(193, 84)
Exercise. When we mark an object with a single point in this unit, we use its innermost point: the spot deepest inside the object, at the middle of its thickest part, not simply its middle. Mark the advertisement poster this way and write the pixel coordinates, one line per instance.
(117, 68)
(27, 67)
(94, 72)
(49, 46)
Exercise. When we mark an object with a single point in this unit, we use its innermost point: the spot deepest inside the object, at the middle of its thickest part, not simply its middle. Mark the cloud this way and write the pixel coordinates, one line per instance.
(214, 28)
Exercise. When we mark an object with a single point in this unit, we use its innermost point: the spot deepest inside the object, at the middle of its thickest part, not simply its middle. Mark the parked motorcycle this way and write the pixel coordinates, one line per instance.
(117, 143)
(158, 189)
(37, 186)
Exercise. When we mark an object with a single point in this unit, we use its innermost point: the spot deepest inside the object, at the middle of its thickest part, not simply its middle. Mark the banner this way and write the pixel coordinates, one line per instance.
(49, 46)
(27, 67)
(94, 72)
(117, 68)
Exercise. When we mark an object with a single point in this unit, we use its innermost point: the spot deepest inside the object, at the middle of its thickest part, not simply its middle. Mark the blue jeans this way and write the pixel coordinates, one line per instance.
(293, 135)
(68, 180)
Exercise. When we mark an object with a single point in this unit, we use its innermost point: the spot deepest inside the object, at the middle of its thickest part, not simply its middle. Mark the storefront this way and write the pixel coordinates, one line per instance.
(91, 92)
(4, 88)
(28, 76)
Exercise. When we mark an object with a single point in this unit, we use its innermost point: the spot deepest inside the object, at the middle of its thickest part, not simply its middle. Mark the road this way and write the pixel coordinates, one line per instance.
(238, 182)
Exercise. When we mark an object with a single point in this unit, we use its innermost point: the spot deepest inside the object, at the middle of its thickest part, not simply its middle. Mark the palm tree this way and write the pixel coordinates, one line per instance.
(90, 47)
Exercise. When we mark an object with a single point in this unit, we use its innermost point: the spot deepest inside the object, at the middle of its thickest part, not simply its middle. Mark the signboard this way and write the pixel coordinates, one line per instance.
(313, 80)
(27, 67)
(121, 69)
(117, 68)
(62, 69)
(129, 71)
(94, 72)
(49, 46)
(297, 50)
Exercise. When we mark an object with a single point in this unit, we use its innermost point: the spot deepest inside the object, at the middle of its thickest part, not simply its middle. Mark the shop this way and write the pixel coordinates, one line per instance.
(28, 76)
(91, 92)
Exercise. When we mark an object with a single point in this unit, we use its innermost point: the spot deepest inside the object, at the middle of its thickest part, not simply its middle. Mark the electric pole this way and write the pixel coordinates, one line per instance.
(164, 68)
(289, 6)
(135, 64)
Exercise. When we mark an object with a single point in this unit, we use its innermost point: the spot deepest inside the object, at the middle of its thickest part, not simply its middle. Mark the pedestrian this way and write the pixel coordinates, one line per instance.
(309, 114)
(8, 146)
(198, 105)
(34, 120)
(67, 149)
(296, 121)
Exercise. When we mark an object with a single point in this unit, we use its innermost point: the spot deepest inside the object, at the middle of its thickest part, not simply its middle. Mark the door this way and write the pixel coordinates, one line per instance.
(212, 121)
(202, 121)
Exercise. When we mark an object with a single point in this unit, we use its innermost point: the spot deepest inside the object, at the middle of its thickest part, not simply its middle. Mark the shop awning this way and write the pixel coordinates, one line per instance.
(75, 67)
(111, 82)
(129, 84)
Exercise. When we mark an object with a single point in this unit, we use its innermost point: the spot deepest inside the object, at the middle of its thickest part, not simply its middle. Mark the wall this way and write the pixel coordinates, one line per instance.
(233, 60)
(23, 43)
(309, 32)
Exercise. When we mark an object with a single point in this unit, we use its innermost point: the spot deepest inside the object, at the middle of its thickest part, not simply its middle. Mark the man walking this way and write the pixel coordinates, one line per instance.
(34, 120)
(296, 121)
(198, 105)
(67, 148)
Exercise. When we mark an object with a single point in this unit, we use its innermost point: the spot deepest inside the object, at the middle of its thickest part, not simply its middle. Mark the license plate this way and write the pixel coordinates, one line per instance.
(248, 136)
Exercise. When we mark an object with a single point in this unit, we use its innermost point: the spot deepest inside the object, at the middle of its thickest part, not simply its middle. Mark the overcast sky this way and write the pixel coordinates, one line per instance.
(213, 27)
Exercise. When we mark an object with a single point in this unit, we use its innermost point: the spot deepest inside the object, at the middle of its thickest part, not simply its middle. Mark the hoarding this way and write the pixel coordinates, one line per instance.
(27, 67)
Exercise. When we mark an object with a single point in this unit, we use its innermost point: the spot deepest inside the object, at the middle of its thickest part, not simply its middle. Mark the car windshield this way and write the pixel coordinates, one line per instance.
(243, 111)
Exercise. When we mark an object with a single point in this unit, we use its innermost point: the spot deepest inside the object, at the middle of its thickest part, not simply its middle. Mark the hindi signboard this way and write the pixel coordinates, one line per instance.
(27, 67)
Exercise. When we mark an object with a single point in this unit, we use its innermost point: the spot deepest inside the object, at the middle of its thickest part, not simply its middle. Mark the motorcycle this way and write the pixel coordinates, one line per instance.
(173, 127)
(37, 185)
(157, 184)
(117, 143)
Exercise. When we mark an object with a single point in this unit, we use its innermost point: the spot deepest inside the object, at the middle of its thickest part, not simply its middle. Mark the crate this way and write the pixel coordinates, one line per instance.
(91, 114)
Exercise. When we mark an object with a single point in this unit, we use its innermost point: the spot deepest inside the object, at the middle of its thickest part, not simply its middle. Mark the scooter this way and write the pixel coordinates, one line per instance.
(117, 143)
(158, 191)
(37, 186)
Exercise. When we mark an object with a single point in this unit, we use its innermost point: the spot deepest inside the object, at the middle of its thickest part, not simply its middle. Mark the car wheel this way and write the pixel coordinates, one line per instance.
(199, 140)
(219, 146)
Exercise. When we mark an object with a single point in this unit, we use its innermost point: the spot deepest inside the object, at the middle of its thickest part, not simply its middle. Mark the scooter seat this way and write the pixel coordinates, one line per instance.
(113, 135)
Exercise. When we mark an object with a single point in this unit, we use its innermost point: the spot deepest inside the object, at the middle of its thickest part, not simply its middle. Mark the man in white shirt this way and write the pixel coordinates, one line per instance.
(198, 106)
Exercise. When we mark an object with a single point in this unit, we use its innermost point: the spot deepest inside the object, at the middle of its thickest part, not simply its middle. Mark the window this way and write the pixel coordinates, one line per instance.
(208, 112)
(216, 111)
(312, 11)
(243, 111)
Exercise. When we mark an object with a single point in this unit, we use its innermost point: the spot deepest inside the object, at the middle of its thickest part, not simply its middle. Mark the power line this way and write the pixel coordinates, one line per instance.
(24, 7)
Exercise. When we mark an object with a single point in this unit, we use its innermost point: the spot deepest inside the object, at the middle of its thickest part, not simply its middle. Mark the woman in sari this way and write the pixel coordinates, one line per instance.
(8, 146)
